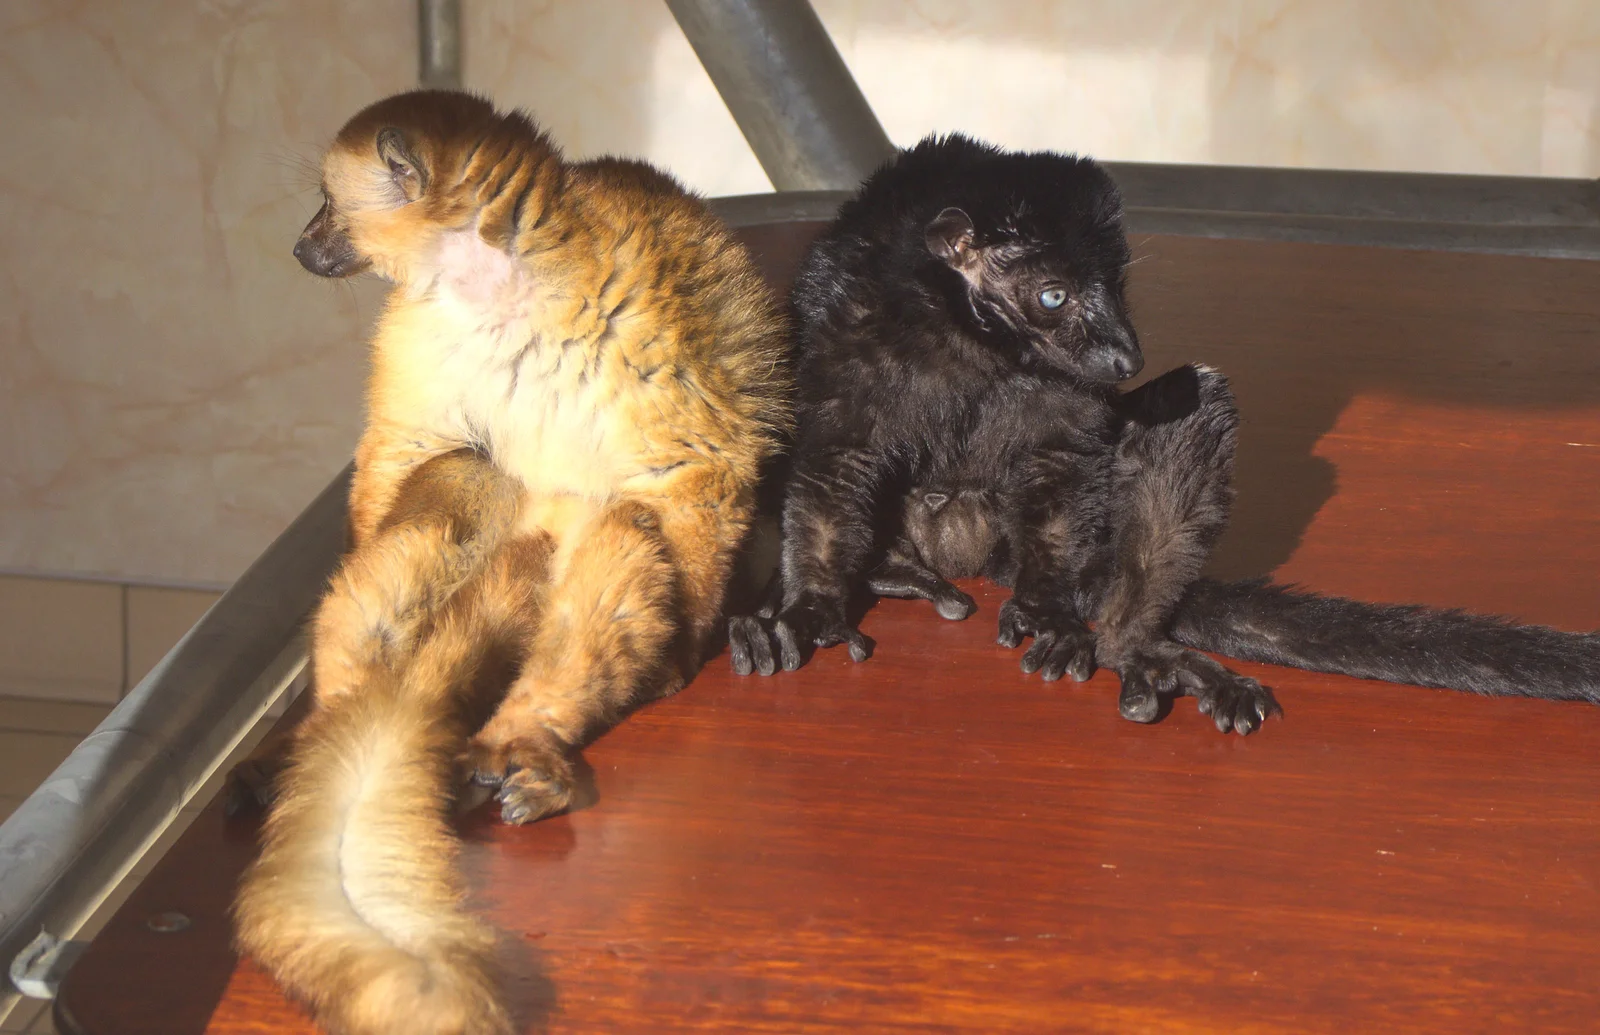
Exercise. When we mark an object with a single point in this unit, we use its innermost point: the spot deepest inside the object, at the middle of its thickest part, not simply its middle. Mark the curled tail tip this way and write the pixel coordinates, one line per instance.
(359, 989)
(353, 905)
(457, 997)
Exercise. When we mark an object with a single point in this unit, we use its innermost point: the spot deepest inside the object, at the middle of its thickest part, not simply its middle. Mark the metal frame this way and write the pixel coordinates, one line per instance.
(77, 836)
(788, 89)
(1540, 226)
(815, 135)
(439, 44)
(812, 130)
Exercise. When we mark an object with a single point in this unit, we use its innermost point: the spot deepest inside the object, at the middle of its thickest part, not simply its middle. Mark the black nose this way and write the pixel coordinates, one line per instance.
(1111, 364)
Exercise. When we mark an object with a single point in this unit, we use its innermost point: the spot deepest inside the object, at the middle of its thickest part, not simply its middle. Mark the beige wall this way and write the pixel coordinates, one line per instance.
(1487, 86)
(173, 389)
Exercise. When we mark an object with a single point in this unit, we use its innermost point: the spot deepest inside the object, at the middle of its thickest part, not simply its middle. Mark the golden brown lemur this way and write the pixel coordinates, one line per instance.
(599, 338)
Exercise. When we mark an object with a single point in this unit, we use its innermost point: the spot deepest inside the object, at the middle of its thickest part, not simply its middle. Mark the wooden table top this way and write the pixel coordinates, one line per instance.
(933, 842)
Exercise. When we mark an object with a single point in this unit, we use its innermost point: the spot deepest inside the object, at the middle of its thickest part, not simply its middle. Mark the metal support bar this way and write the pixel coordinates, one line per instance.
(1348, 194)
(79, 833)
(1501, 215)
(788, 89)
(439, 44)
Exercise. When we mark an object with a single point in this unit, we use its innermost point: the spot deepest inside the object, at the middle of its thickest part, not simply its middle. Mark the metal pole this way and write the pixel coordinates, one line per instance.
(439, 44)
(788, 89)
(76, 835)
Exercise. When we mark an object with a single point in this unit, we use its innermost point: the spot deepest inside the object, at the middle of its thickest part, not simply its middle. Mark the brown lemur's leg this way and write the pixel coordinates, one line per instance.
(635, 596)
(1172, 491)
(443, 521)
(387, 458)
(441, 524)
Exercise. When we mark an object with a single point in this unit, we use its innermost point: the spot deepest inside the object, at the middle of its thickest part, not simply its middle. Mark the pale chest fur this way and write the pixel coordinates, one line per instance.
(489, 356)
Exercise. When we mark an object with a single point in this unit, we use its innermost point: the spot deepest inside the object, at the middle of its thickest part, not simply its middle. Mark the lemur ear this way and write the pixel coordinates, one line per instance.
(408, 173)
(949, 236)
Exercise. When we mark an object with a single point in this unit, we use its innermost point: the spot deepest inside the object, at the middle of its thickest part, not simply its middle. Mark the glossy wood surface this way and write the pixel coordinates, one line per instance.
(932, 842)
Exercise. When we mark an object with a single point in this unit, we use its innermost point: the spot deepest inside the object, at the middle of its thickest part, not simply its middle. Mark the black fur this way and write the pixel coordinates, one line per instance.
(1399, 643)
(962, 327)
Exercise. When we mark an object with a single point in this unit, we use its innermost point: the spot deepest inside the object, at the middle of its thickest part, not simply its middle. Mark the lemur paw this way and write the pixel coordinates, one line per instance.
(1144, 680)
(1062, 644)
(252, 784)
(1236, 703)
(802, 627)
(532, 776)
(806, 624)
(954, 604)
(750, 645)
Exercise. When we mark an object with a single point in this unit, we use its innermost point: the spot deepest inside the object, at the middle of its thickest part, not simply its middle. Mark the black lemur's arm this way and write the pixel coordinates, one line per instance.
(829, 533)
(1059, 536)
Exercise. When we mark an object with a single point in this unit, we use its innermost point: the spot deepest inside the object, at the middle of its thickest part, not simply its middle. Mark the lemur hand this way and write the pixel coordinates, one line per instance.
(808, 623)
(1062, 644)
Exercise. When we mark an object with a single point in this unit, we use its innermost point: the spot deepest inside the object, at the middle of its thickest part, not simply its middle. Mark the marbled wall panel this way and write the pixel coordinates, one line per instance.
(173, 388)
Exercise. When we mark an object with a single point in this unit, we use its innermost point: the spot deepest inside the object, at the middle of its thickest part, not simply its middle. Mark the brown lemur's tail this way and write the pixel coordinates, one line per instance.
(354, 905)
(1257, 621)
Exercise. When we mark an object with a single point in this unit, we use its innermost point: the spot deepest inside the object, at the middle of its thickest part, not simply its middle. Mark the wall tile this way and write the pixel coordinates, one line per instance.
(157, 619)
(27, 758)
(45, 716)
(60, 639)
(23, 1015)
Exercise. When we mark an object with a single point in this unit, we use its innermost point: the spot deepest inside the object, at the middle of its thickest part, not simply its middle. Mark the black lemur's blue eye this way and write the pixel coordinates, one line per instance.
(1053, 298)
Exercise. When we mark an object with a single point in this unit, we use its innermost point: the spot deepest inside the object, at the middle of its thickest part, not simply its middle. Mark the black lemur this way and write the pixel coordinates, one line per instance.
(961, 329)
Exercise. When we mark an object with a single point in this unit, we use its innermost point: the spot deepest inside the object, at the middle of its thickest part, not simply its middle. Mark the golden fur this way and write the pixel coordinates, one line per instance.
(574, 382)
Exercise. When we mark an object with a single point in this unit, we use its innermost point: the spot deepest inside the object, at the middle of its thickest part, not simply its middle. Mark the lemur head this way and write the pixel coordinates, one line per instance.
(1041, 257)
(412, 167)
(951, 528)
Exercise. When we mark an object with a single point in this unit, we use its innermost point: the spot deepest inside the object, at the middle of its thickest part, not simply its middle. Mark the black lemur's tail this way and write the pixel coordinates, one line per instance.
(1258, 621)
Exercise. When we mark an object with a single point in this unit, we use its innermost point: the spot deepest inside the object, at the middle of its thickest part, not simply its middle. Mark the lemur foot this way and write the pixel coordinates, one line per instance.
(1236, 703)
(253, 783)
(532, 776)
(1062, 644)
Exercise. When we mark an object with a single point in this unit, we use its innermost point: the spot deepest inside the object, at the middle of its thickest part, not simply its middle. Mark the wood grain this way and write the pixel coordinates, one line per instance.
(933, 842)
